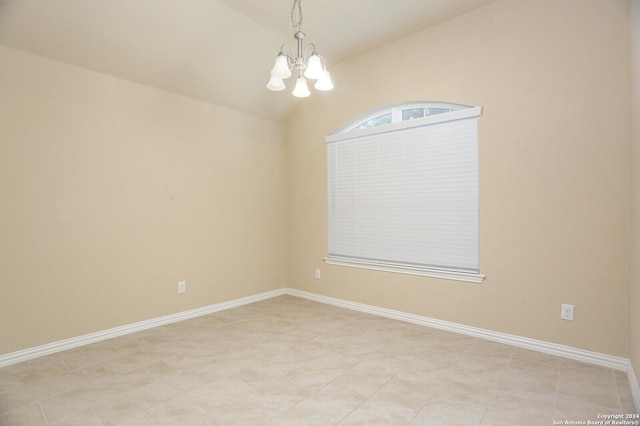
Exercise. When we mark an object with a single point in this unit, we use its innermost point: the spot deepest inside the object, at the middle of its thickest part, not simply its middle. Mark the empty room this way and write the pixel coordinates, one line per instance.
(319, 212)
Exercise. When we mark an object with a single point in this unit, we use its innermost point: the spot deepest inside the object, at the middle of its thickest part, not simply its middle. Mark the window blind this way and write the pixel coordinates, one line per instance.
(407, 196)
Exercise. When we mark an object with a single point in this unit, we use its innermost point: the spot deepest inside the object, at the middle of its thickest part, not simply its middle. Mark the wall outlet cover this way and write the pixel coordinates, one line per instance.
(566, 312)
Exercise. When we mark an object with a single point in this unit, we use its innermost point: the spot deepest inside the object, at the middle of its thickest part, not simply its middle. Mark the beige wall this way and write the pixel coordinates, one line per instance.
(552, 78)
(634, 293)
(112, 192)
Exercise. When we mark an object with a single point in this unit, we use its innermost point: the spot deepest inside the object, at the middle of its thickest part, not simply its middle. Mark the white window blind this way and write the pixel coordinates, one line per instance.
(406, 194)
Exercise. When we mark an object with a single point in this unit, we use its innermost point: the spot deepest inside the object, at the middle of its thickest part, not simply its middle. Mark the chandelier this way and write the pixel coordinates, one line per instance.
(312, 67)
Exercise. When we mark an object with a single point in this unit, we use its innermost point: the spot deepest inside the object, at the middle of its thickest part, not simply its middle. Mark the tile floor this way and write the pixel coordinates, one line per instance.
(290, 361)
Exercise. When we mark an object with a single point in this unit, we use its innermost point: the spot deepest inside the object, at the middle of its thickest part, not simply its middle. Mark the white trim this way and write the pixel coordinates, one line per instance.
(63, 345)
(460, 114)
(409, 270)
(604, 360)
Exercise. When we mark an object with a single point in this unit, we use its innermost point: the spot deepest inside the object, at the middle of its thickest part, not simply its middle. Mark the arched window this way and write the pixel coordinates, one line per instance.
(403, 191)
(399, 112)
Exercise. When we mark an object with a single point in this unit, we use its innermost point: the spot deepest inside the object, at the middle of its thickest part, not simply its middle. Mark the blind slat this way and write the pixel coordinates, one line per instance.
(407, 197)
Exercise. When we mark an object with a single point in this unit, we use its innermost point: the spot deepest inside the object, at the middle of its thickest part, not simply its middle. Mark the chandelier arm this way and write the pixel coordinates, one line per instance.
(324, 63)
(289, 55)
(306, 50)
(290, 58)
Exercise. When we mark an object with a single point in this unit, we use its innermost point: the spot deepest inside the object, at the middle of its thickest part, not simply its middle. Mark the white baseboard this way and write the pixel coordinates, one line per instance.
(63, 345)
(596, 358)
(604, 360)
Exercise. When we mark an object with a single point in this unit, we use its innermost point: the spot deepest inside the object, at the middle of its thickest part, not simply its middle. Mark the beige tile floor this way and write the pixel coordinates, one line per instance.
(290, 361)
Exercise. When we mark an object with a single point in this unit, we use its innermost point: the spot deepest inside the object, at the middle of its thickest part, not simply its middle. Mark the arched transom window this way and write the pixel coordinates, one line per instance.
(401, 112)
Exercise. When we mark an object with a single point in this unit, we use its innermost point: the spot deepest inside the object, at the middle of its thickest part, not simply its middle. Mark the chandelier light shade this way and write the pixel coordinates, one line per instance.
(308, 66)
(275, 83)
(301, 90)
(281, 68)
(314, 67)
(324, 82)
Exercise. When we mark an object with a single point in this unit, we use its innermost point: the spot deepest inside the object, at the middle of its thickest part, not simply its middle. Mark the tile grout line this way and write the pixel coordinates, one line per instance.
(367, 398)
(43, 413)
(495, 393)
(473, 350)
(97, 416)
(555, 398)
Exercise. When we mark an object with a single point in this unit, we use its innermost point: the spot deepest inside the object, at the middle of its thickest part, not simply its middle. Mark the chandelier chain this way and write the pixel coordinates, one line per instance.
(297, 23)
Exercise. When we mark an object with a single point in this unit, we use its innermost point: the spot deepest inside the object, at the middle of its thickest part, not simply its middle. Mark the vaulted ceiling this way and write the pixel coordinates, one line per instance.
(217, 51)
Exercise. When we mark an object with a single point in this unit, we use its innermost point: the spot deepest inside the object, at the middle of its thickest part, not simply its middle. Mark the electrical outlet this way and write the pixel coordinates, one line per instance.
(566, 312)
(317, 274)
(182, 286)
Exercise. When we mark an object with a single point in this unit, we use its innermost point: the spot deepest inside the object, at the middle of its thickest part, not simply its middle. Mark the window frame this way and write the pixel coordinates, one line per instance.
(350, 130)
(396, 114)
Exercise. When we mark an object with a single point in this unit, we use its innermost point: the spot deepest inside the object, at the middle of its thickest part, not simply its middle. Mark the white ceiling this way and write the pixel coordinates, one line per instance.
(218, 51)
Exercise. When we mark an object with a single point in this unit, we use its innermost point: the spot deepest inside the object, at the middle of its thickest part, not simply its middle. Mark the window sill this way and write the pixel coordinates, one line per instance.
(399, 269)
